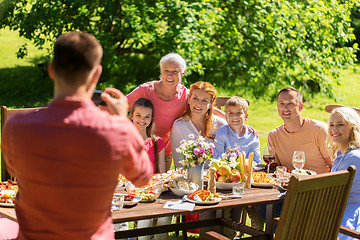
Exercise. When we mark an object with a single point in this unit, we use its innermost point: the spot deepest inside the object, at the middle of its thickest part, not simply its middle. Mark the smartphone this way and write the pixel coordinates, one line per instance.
(96, 98)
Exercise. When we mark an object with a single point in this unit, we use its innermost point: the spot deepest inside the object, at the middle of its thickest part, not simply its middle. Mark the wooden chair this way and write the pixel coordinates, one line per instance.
(5, 114)
(329, 108)
(220, 102)
(313, 207)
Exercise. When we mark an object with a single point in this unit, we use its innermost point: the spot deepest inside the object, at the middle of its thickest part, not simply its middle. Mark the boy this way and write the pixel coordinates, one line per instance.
(236, 111)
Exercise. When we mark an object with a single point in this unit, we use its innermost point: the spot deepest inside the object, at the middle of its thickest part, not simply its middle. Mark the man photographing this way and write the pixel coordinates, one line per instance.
(67, 157)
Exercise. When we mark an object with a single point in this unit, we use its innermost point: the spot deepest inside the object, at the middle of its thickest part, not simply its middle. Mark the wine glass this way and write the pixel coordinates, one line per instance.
(298, 160)
(268, 156)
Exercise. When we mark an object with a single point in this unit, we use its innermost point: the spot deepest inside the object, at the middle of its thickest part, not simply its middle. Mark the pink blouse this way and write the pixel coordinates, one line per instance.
(149, 147)
(166, 112)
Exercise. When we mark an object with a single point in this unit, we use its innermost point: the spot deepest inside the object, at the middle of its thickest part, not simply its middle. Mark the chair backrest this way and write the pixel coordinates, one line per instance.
(220, 102)
(5, 114)
(314, 206)
(329, 108)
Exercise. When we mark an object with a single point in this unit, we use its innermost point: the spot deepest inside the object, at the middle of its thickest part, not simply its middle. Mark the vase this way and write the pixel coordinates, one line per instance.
(195, 175)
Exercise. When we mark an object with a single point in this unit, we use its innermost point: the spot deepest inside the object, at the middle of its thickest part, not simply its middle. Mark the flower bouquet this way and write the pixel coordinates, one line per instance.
(195, 151)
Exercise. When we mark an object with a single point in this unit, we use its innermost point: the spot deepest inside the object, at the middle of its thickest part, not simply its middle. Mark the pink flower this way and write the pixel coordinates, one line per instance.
(196, 151)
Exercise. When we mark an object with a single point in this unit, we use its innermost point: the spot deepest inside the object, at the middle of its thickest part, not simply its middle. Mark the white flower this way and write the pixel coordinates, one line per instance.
(202, 153)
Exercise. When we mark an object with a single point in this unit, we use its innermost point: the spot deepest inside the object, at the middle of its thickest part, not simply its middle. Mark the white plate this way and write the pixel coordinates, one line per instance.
(267, 185)
(181, 192)
(304, 172)
(217, 200)
(8, 191)
(133, 202)
(7, 204)
(224, 186)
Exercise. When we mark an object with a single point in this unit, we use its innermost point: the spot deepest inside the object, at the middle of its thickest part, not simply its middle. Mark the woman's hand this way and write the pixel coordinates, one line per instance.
(116, 102)
(251, 129)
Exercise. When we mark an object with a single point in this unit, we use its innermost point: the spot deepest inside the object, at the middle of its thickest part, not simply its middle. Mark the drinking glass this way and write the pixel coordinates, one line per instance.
(298, 160)
(117, 202)
(268, 156)
(238, 188)
(280, 173)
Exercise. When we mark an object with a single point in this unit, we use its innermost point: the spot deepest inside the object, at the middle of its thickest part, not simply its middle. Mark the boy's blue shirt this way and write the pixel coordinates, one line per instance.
(227, 138)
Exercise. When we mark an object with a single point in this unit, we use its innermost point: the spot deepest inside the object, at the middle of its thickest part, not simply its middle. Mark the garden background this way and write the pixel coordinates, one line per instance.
(249, 48)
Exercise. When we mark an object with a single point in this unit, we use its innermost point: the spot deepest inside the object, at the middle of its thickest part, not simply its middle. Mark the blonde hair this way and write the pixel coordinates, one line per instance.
(351, 118)
(239, 102)
(209, 88)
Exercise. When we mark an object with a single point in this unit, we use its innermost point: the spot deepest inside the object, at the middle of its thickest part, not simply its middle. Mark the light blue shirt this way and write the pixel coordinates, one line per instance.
(227, 138)
(351, 217)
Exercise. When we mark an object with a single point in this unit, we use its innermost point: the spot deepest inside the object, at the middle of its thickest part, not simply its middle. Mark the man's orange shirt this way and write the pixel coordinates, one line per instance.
(310, 138)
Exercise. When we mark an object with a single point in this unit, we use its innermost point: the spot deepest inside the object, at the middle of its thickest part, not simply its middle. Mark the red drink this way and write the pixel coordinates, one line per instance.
(269, 159)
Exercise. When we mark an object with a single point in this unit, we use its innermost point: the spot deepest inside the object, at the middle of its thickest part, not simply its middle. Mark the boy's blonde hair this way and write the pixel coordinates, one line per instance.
(236, 101)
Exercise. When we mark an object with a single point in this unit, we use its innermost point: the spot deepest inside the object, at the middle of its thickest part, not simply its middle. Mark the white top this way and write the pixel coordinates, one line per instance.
(182, 128)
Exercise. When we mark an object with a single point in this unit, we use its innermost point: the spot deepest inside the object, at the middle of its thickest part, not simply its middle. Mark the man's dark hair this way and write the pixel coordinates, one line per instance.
(75, 54)
(299, 97)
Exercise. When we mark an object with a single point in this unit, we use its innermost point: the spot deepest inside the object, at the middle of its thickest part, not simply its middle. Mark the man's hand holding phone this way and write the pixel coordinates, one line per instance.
(115, 100)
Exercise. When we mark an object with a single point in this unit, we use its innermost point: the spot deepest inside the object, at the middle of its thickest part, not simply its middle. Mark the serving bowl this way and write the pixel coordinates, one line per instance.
(182, 189)
(224, 185)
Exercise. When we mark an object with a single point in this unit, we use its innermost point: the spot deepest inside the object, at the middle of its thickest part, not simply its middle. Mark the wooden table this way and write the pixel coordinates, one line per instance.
(253, 196)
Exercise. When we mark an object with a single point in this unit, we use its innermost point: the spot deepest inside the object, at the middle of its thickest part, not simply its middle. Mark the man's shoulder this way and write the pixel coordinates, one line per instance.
(277, 130)
(316, 123)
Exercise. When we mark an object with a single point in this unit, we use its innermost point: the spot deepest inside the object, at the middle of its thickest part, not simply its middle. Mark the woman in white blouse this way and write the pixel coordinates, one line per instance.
(198, 118)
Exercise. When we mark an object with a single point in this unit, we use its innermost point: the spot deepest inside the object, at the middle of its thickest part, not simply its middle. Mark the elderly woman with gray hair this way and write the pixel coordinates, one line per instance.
(168, 96)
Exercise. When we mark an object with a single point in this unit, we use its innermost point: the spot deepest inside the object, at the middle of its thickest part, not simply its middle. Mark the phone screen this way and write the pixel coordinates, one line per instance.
(96, 98)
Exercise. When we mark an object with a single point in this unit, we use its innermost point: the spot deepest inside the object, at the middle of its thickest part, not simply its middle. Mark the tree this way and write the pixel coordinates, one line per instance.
(255, 46)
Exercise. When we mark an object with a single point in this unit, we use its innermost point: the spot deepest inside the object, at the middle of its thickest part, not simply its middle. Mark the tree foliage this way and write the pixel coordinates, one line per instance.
(253, 46)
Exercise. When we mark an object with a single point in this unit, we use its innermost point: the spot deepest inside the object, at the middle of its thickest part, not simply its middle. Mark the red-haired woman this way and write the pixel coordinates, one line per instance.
(198, 118)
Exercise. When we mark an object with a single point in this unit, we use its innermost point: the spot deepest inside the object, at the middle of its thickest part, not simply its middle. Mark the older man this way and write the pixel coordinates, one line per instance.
(298, 133)
(68, 156)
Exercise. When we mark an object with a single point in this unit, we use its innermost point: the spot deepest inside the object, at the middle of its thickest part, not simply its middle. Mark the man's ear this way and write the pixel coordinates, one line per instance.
(95, 74)
(51, 71)
(301, 106)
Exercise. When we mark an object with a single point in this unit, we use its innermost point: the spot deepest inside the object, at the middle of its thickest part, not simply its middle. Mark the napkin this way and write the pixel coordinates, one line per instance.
(179, 205)
(230, 196)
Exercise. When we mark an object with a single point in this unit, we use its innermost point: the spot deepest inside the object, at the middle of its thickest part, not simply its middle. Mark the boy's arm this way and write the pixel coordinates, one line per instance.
(219, 145)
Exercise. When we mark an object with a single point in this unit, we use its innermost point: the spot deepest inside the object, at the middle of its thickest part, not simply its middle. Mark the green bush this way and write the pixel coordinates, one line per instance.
(252, 46)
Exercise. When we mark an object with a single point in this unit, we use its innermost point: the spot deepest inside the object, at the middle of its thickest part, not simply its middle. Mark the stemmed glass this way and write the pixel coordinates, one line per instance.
(298, 160)
(268, 156)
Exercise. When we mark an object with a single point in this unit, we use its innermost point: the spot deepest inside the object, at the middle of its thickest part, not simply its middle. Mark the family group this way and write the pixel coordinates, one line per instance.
(67, 157)
(327, 147)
